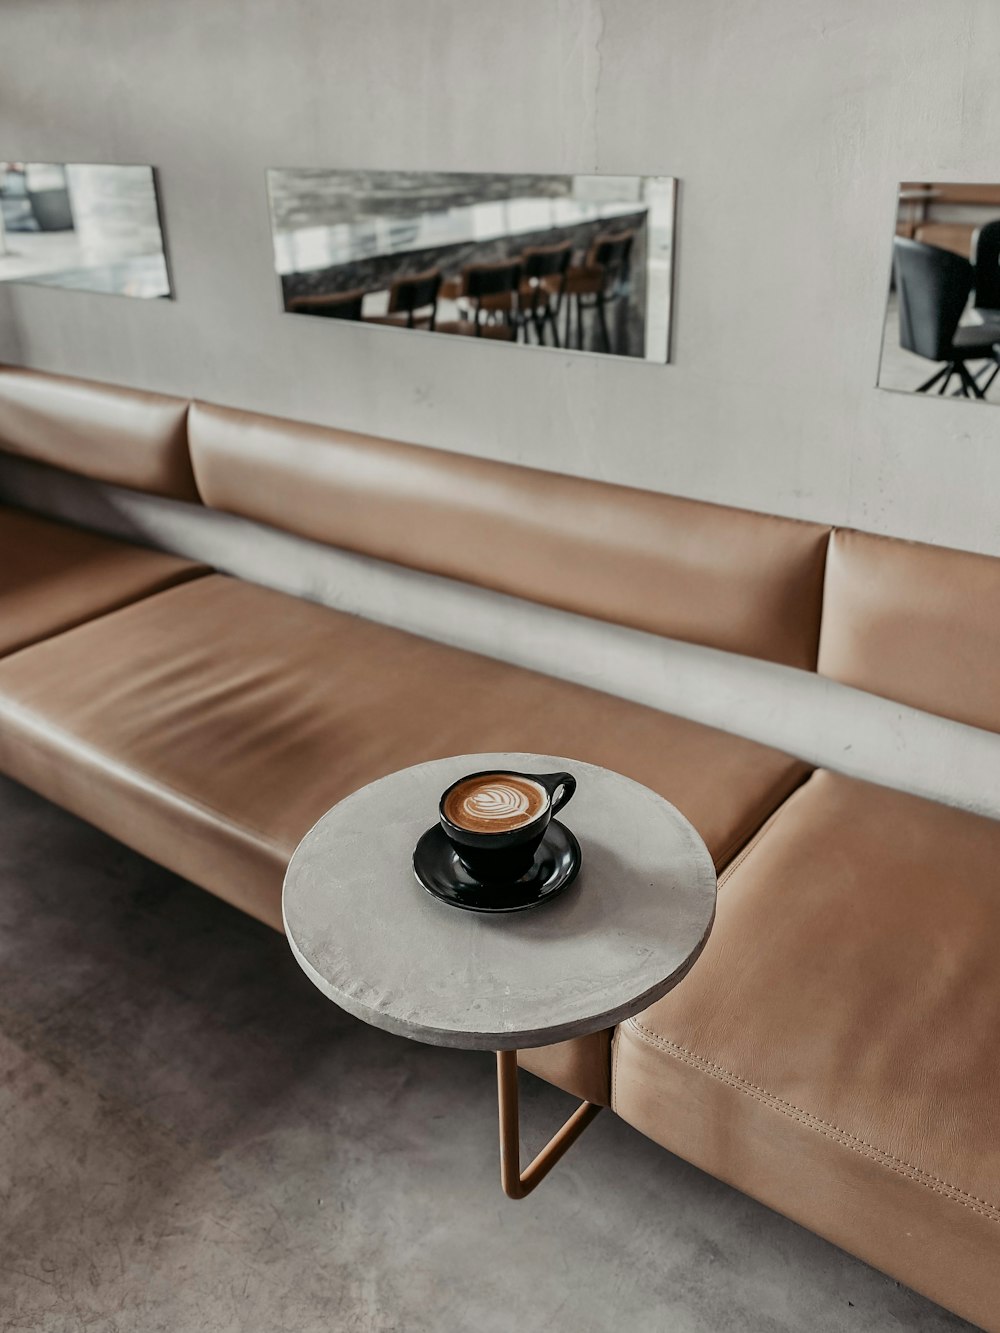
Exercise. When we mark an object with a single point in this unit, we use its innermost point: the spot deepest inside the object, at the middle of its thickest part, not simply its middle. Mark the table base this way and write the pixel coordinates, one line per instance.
(518, 1184)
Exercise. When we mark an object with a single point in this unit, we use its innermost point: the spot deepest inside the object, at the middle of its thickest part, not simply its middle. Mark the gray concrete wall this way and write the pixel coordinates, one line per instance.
(789, 122)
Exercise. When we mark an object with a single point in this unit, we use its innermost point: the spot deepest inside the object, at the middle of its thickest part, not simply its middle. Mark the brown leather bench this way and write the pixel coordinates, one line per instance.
(850, 1077)
(845, 994)
(298, 704)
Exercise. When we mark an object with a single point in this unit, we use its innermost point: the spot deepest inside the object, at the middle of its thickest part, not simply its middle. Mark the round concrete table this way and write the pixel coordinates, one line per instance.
(624, 934)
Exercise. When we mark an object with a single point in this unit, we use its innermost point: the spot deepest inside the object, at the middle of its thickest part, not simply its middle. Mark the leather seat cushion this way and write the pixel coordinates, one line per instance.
(834, 1051)
(53, 576)
(211, 726)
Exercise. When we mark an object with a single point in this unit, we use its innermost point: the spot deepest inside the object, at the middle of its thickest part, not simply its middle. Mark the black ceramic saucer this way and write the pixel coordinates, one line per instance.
(555, 867)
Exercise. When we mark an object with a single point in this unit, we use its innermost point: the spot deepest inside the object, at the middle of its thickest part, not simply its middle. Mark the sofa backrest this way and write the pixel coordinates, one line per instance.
(727, 578)
(915, 623)
(100, 431)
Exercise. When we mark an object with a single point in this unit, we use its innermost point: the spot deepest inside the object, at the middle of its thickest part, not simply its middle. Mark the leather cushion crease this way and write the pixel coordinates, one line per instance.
(124, 436)
(299, 705)
(844, 1016)
(743, 582)
(53, 576)
(916, 623)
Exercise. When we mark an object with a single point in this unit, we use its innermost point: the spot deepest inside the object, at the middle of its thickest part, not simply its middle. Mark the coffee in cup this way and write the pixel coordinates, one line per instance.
(496, 819)
(495, 802)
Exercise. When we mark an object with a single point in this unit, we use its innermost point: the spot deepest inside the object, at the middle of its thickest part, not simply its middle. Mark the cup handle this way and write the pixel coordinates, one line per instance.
(562, 783)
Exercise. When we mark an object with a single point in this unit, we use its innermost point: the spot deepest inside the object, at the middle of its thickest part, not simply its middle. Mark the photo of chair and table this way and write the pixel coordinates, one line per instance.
(942, 328)
(579, 263)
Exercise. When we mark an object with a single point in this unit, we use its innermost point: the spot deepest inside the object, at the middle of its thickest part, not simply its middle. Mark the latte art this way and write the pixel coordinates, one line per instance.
(495, 803)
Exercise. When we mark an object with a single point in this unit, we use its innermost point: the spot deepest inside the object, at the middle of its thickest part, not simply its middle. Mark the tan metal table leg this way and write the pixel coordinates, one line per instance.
(517, 1184)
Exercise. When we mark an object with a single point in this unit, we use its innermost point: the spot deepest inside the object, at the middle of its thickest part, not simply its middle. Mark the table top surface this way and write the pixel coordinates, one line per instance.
(373, 940)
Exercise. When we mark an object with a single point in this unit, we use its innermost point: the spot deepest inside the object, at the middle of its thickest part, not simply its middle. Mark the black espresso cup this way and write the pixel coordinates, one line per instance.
(496, 818)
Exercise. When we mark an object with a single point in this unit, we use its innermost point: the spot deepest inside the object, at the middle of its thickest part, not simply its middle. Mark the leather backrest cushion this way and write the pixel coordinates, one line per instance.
(915, 623)
(727, 578)
(123, 436)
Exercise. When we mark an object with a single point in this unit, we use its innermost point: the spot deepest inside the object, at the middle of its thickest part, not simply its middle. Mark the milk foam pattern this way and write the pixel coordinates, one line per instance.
(496, 801)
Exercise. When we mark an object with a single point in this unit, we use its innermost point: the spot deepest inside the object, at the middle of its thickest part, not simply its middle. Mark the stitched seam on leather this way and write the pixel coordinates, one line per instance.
(825, 1127)
(731, 869)
(614, 1070)
(738, 842)
(725, 876)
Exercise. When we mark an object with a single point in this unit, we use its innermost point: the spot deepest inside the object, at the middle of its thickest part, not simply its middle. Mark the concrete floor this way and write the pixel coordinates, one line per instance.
(192, 1140)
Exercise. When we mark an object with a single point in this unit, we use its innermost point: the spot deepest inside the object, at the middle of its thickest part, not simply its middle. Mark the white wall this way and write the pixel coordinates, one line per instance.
(789, 123)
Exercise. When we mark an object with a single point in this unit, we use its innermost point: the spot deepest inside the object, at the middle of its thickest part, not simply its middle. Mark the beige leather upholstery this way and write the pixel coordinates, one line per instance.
(210, 726)
(53, 577)
(727, 578)
(835, 1050)
(916, 623)
(581, 1066)
(98, 430)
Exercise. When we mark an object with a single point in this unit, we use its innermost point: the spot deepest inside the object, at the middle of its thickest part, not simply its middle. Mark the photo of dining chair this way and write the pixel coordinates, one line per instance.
(330, 305)
(986, 288)
(487, 295)
(413, 301)
(934, 287)
(986, 268)
(541, 289)
(601, 281)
